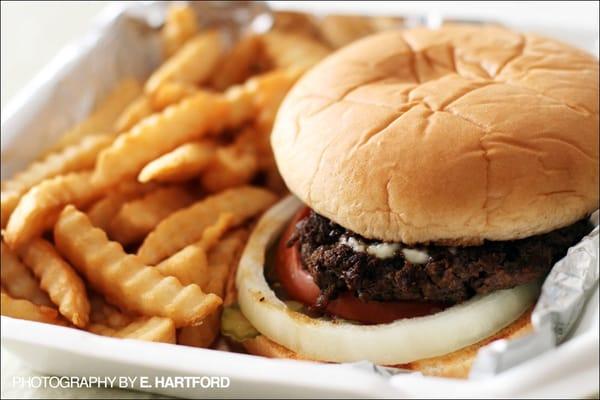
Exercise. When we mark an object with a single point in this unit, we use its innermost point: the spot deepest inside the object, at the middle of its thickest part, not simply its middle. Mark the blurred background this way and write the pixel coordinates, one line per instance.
(33, 31)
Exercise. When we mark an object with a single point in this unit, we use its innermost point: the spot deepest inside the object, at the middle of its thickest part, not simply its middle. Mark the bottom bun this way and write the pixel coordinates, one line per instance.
(452, 365)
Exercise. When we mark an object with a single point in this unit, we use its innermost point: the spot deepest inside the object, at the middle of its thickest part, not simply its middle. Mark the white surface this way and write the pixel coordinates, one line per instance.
(31, 35)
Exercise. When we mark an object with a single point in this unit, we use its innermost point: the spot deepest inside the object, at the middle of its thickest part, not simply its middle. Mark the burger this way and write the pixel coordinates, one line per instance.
(438, 175)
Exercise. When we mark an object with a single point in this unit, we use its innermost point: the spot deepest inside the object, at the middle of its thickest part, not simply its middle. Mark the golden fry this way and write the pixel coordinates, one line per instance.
(102, 212)
(24, 309)
(30, 218)
(76, 157)
(292, 50)
(193, 63)
(202, 335)
(238, 64)
(138, 217)
(59, 280)
(186, 226)
(270, 91)
(123, 278)
(190, 264)
(180, 25)
(106, 314)
(340, 30)
(154, 329)
(170, 93)
(18, 281)
(223, 259)
(188, 120)
(232, 166)
(139, 109)
(181, 164)
(104, 116)
(296, 22)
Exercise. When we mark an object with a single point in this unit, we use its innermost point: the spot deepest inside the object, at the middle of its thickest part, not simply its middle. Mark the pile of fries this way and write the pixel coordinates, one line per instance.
(132, 224)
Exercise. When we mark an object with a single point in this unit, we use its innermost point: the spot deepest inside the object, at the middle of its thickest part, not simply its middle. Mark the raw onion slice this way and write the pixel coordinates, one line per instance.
(398, 342)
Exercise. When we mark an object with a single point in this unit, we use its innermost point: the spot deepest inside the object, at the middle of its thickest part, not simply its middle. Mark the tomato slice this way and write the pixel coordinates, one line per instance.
(300, 286)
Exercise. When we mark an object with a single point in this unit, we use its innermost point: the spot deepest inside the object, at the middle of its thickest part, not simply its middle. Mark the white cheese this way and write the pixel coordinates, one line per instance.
(354, 244)
(383, 250)
(379, 250)
(415, 256)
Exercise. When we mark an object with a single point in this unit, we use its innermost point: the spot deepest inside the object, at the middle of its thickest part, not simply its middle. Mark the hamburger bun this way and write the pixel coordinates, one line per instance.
(453, 365)
(453, 136)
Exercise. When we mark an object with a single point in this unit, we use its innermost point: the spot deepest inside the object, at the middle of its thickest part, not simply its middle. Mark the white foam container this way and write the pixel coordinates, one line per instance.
(61, 95)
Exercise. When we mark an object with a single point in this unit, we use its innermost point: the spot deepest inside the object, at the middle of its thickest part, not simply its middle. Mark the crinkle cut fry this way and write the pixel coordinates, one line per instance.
(24, 309)
(123, 278)
(153, 329)
(59, 279)
(18, 280)
(188, 120)
(223, 258)
(43, 201)
(186, 226)
(138, 217)
(76, 157)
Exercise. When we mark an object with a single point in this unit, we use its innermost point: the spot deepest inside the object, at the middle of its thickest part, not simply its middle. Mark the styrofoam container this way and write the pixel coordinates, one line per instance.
(63, 94)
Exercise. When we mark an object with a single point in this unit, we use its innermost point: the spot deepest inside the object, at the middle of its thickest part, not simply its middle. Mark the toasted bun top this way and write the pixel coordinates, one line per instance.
(453, 135)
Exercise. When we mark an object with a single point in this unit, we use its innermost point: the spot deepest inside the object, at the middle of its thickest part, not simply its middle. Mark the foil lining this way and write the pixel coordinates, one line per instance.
(564, 293)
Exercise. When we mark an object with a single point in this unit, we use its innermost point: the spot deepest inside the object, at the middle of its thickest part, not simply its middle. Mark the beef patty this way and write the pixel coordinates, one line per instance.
(339, 261)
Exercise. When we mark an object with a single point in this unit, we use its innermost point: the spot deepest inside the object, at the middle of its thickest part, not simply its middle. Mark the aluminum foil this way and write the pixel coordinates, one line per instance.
(564, 294)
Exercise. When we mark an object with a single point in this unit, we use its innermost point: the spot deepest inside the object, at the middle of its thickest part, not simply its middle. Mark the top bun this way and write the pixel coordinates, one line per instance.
(453, 135)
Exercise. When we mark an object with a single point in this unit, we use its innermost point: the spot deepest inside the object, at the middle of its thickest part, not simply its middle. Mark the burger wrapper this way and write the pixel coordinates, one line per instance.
(564, 294)
(124, 42)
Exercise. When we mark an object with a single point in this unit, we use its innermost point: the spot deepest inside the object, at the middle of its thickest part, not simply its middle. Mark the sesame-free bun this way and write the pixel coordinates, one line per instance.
(453, 135)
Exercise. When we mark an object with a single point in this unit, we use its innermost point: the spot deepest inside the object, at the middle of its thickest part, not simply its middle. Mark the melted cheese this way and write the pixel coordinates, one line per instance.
(415, 256)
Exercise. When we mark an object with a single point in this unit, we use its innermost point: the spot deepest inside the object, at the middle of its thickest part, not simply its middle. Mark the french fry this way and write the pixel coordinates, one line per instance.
(232, 166)
(158, 134)
(186, 226)
(123, 278)
(102, 212)
(202, 335)
(154, 329)
(18, 280)
(296, 22)
(190, 264)
(104, 116)
(138, 217)
(59, 280)
(339, 30)
(223, 259)
(103, 313)
(270, 90)
(180, 25)
(171, 93)
(181, 164)
(242, 61)
(139, 109)
(31, 216)
(292, 50)
(24, 309)
(193, 63)
(76, 157)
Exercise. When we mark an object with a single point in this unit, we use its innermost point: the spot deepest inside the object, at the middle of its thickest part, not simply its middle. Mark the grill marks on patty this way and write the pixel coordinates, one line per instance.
(451, 275)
